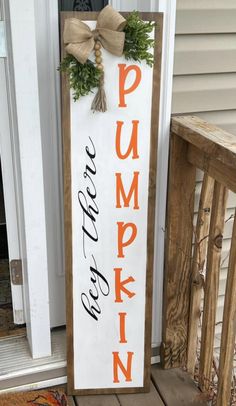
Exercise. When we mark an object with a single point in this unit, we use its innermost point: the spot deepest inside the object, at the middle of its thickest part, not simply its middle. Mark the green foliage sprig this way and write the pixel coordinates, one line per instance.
(137, 41)
(83, 78)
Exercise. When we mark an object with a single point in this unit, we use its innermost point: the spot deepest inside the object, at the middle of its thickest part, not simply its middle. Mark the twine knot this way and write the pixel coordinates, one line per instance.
(96, 35)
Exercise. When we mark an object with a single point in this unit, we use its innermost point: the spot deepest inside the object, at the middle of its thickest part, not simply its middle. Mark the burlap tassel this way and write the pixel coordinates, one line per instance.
(100, 101)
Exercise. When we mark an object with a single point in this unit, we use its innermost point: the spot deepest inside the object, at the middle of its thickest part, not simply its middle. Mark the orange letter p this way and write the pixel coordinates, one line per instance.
(124, 71)
(122, 227)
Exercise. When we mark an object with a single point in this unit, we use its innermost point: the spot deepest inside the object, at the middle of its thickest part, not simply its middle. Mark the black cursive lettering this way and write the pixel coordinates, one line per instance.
(100, 285)
(90, 211)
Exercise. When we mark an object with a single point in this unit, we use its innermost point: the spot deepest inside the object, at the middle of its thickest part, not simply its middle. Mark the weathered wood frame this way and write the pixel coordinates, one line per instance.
(197, 144)
(158, 18)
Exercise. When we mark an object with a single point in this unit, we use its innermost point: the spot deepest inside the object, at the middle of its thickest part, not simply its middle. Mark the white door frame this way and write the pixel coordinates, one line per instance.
(11, 180)
(35, 24)
(20, 21)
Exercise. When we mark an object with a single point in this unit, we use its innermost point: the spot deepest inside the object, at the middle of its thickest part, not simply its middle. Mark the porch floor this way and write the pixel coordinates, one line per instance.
(168, 388)
(18, 372)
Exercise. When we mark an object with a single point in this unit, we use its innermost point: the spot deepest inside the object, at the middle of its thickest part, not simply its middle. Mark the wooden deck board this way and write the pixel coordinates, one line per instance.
(142, 399)
(97, 400)
(172, 387)
(176, 387)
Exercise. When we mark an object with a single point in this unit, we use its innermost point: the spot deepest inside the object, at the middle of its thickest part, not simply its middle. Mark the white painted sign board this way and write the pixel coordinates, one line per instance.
(110, 169)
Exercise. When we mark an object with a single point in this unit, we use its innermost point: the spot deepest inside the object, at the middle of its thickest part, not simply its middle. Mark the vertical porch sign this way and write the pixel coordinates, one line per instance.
(109, 174)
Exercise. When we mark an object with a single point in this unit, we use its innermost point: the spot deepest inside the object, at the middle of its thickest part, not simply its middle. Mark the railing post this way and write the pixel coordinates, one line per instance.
(178, 255)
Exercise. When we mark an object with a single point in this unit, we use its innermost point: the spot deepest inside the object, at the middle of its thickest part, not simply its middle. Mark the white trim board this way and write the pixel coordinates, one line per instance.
(35, 265)
(168, 8)
(47, 50)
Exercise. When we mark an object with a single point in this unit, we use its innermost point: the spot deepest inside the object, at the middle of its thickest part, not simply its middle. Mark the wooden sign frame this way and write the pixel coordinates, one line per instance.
(90, 16)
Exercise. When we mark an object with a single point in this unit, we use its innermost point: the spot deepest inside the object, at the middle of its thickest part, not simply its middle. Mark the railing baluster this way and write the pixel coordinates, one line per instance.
(199, 256)
(212, 284)
(228, 329)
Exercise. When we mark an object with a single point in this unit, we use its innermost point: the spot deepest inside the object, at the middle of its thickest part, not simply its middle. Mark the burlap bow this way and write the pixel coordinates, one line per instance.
(80, 39)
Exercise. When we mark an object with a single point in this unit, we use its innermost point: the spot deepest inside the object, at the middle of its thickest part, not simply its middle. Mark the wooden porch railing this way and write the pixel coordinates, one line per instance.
(197, 144)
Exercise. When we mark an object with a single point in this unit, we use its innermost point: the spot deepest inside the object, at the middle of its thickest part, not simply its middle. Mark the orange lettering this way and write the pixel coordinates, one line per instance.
(133, 145)
(125, 371)
(122, 327)
(120, 286)
(121, 193)
(122, 227)
(124, 71)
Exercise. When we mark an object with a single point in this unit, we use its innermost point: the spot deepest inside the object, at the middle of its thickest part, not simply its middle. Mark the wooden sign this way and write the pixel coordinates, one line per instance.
(110, 175)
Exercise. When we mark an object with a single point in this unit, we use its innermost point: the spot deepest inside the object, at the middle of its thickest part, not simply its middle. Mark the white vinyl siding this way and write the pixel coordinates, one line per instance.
(201, 54)
(205, 85)
(205, 61)
(205, 92)
(205, 16)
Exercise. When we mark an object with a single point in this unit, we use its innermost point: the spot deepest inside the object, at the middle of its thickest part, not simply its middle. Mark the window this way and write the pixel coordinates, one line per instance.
(82, 5)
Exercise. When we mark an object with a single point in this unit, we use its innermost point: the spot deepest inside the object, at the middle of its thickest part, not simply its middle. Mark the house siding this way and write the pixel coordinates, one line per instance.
(205, 85)
(205, 17)
(205, 61)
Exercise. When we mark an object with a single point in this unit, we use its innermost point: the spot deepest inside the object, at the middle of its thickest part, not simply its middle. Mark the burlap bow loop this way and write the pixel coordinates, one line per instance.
(80, 39)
